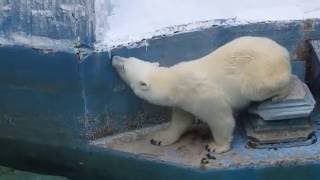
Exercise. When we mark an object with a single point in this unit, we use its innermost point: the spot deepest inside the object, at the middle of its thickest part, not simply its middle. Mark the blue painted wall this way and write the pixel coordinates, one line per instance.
(88, 96)
(40, 95)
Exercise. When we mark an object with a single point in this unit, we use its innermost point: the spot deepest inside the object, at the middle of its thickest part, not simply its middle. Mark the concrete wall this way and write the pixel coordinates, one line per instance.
(66, 84)
(57, 91)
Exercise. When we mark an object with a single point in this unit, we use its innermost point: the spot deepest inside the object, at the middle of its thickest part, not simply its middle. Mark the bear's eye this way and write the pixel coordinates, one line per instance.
(144, 86)
(142, 83)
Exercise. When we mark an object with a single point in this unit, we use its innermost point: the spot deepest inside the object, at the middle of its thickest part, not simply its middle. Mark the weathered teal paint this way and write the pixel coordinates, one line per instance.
(67, 19)
(52, 102)
(40, 95)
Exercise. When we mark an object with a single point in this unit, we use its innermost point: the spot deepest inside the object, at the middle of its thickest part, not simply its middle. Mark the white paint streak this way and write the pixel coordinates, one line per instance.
(5, 8)
(134, 20)
(38, 42)
(73, 8)
(47, 13)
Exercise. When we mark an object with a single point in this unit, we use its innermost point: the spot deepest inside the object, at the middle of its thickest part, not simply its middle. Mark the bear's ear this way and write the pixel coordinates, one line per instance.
(144, 86)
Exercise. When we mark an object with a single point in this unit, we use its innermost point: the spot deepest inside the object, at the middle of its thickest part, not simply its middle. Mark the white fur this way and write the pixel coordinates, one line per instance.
(211, 87)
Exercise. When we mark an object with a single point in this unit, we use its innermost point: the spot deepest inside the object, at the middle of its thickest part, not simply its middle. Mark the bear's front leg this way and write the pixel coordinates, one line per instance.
(221, 125)
(181, 121)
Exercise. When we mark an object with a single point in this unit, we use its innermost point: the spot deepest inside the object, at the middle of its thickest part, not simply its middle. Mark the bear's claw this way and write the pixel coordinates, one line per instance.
(212, 147)
(154, 142)
(207, 148)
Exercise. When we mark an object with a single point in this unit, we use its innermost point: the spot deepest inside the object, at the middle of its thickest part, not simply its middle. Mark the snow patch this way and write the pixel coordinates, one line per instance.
(134, 41)
(122, 22)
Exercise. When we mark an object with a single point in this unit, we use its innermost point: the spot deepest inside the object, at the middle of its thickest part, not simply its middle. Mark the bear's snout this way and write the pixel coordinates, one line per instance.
(116, 58)
(118, 62)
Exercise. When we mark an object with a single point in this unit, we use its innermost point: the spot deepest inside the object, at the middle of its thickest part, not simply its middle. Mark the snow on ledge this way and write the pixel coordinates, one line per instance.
(132, 41)
(126, 22)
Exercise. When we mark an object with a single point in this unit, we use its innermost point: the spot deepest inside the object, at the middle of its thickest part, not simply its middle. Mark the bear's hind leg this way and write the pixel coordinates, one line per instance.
(263, 83)
(282, 94)
(181, 121)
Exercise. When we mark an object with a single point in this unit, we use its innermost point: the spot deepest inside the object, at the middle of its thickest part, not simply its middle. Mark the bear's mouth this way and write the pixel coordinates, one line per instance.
(122, 68)
(118, 63)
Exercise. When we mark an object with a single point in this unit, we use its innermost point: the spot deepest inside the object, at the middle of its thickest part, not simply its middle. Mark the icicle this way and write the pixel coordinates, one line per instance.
(109, 52)
(146, 45)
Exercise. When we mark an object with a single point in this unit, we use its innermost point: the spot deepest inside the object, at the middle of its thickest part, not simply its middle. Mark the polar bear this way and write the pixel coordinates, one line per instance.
(212, 87)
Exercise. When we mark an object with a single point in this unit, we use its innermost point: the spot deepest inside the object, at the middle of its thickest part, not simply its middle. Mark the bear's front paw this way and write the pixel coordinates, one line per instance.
(163, 138)
(213, 147)
(155, 142)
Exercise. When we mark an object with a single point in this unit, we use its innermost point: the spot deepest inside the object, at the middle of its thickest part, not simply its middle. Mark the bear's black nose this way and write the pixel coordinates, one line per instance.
(118, 61)
(116, 58)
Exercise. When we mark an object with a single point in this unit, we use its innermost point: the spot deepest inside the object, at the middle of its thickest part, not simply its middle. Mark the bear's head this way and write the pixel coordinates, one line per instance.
(144, 79)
